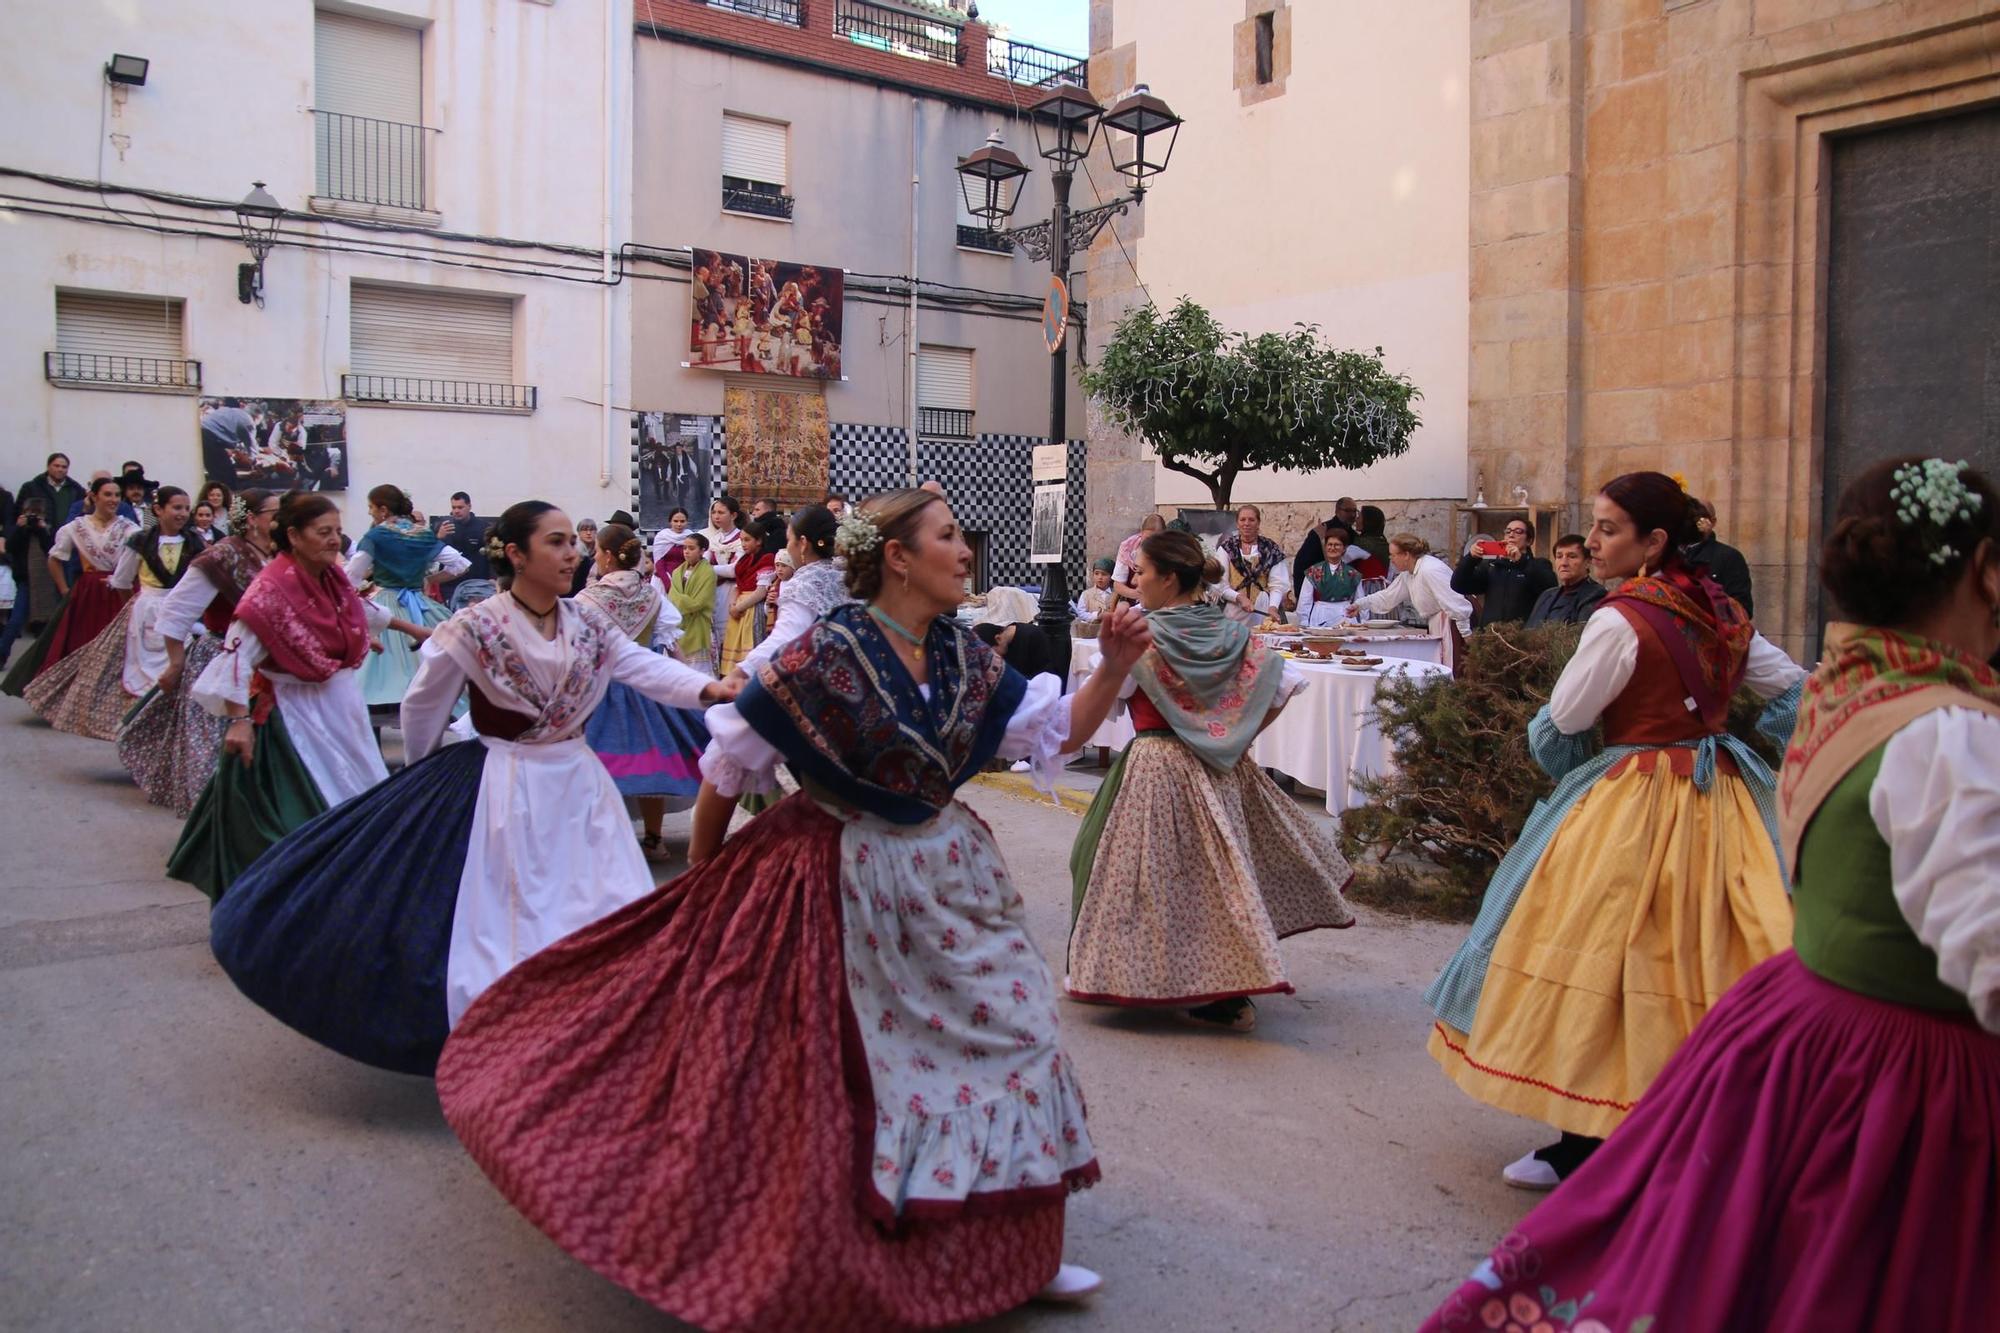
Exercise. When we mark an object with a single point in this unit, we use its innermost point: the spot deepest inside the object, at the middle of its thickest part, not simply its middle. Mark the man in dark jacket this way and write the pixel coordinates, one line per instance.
(1509, 582)
(1576, 594)
(465, 532)
(54, 489)
(1725, 562)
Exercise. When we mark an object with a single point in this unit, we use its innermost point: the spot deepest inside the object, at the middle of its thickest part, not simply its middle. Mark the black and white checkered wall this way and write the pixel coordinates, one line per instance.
(988, 480)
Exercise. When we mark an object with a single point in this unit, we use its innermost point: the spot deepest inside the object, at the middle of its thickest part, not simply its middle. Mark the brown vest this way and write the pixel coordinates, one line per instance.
(490, 719)
(1651, 709)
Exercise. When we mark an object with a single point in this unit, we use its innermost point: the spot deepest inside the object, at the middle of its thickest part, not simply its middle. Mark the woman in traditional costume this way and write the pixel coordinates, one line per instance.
(1128, 557)
(725, 547)
(96, 538)
(398, 556)
(1824, 1152)
(753, 576)
(817, 1081)
(88, 693)
(691, 590)
(288, 678)
(373, 927)
(1649, 881)
(1331, 585)
(1191, 865)
(817, 585)
(169, 742)
(1422, 581)
(652, 752)
(670, 546)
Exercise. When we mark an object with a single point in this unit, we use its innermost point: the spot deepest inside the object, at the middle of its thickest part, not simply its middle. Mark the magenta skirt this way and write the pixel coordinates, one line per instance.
(1811, 1159)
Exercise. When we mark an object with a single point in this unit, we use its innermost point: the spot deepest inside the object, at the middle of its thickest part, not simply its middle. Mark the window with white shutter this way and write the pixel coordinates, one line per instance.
(433, 346)
(944, 392)
(753, 166)
(117, 341)
(368, 111)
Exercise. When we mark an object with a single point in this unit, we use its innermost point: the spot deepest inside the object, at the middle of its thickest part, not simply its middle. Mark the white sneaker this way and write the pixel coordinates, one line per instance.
(1019, 766)
(1530, 1173)
(1072, 1283)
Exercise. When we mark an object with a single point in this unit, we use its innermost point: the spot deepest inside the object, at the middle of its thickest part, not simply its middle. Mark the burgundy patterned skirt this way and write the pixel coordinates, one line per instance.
(1810, 1159)
(672, 1096)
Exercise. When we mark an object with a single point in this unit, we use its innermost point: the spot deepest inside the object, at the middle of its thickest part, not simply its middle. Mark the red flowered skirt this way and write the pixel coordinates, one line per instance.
(680, 1097)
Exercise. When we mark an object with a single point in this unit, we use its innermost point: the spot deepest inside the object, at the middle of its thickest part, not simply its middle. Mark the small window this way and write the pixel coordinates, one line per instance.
(434, 346)
(115, 340)
(753, 166)
(944, 392)
(1266, 36)
(368, 131)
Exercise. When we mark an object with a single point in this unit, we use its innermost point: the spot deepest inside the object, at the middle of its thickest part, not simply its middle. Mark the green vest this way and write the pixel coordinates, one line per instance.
(1846, 925)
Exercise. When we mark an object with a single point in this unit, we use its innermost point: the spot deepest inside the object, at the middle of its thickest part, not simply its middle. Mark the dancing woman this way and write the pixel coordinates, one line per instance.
(398, 555)
(95, 537)
(89, 692)
(371, 928)
(288, 678)
(1824, 1152)
(169, 742)
(817, 1081)
(651, 751)
(817, 585)
(1191, 865)
(1649, 881)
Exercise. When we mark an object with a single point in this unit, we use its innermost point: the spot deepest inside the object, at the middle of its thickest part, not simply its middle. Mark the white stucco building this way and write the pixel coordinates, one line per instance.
(454, 174)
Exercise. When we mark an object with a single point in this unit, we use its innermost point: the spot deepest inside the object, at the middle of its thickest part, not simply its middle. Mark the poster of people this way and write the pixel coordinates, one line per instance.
(274, 443)
(765, 316)
(1045, 541)
(675, 455)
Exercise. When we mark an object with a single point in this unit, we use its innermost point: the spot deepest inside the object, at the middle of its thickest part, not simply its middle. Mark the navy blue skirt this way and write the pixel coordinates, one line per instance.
(648, 748)
(342, 929)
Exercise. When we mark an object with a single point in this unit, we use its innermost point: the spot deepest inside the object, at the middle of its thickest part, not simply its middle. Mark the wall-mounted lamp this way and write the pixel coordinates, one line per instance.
(128, 70)
(258, 216)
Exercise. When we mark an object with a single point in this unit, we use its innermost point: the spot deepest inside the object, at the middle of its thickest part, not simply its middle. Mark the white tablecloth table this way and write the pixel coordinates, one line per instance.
(1115, 732)
(1327, 736)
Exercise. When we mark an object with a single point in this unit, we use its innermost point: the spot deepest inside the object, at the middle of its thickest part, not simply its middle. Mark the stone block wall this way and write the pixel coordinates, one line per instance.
(1646, 244)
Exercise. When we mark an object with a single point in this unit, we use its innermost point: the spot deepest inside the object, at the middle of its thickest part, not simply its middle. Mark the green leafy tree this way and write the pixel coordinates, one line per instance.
(1215, 404)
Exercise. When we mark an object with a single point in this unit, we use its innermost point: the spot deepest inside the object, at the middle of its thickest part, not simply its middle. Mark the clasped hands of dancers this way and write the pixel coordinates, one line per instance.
(869, 1119)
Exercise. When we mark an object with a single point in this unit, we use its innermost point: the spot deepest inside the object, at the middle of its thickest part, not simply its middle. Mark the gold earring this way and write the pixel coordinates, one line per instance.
(906, 578)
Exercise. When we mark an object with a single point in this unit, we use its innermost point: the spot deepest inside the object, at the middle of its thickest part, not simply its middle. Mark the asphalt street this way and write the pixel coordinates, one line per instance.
(174, 1159)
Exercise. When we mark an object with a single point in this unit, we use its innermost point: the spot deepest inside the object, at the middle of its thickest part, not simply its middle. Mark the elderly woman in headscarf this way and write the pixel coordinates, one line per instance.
(1008, 626)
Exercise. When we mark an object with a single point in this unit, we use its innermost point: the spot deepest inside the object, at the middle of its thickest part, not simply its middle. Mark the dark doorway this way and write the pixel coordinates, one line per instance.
(1913, 300)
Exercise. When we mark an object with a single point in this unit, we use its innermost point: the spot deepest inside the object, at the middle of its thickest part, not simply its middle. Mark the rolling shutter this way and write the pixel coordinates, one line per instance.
(99, 323)
(944, 377)
(1008, 191)
(431, 333)
(753, 150)
(367, 69)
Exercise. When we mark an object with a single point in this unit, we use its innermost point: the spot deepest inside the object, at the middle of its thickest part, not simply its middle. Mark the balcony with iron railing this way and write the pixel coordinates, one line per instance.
(790, 12)
(984, 238)
(111, 370)
(1036, 66)
(896, 31)
(944, 423)
(416, 391)
(758, 198)
(358, 160)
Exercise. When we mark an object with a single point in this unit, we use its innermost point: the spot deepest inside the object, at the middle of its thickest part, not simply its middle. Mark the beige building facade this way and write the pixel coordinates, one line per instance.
(1747, 241)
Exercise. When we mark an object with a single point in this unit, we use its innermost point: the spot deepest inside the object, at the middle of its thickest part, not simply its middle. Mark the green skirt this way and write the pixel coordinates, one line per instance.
(1083, 852)
(29, 663)
(243, 811)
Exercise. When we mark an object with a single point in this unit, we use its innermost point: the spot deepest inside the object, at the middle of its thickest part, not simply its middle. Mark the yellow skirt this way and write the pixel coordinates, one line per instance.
(738, 638)
(1652, 899)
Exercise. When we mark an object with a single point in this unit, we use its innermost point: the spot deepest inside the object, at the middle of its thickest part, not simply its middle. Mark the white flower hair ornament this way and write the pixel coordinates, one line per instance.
(1929, 496)
(857, 532)
(239, 514)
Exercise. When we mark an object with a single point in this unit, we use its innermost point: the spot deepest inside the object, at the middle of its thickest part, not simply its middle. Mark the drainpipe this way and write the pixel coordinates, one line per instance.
(605, 431)
(910, 330)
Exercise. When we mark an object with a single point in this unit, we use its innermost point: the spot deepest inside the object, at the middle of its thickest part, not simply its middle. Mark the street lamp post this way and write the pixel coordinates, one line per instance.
(1139, 132)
